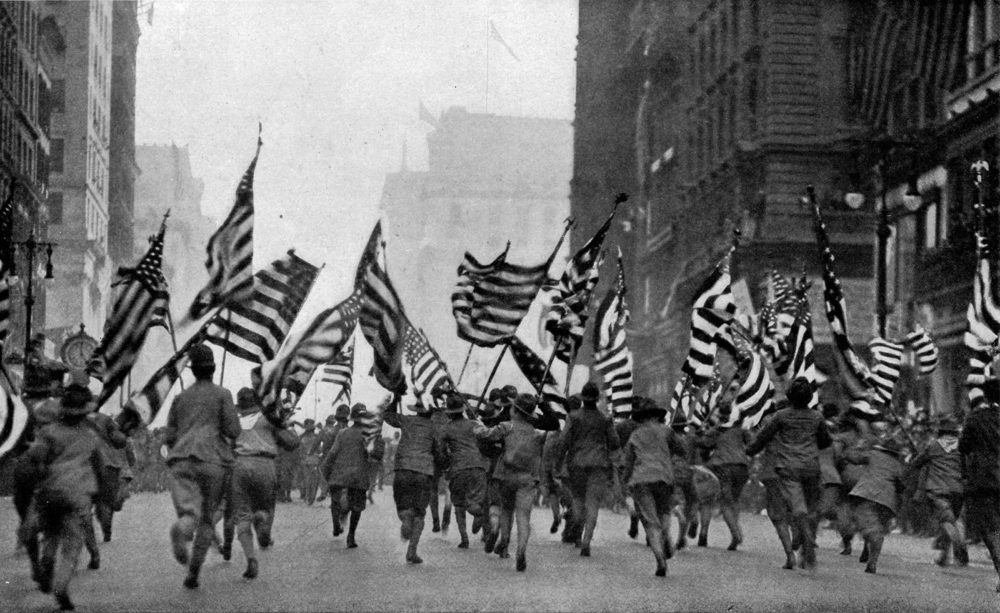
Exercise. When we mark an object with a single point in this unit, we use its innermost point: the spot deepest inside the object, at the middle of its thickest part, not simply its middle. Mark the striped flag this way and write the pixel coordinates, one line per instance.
(371, 424)
(143, 294)
(340, 371)
(427, 371)
(800, 361)
(490, 301)
(552, 399)
(13, 414)
(767, 327)
(681, 401)
(4, 308)
(982, 335)
(755, 395)
(383, 323)
(230, 253)
(567, 318)
(713, 306)
(254, 329)
(924, 349)
(612, 357)
(887, 357)
(143, 406)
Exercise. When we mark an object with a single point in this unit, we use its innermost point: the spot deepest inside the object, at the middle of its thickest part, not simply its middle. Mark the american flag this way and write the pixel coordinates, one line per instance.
(143, 294)
(230, 253)
(567, 318)
(383, 323)
(856, 376)
(754, 398)
(4, 308)
(318, 344)
(340, 371)
(800, 361)
(713, 306)
(462, 299)
(681, 400)
(982, 335)
(552, 400)
(13, 414)
(143, 405)
(887, 357)
(253, 330)
(612, 357)
(924, 349)
(427, 371)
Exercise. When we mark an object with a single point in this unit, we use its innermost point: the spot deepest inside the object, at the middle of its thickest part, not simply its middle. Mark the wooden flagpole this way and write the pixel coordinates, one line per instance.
(225, 341)
(173, 339)
(464, 364)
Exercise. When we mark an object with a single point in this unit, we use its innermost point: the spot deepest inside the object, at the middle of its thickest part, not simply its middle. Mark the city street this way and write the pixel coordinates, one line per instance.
(308, 570)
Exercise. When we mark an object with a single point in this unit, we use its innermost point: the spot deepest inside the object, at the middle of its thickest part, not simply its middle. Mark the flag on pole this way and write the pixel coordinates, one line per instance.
(801, 361)
(230, 252)
(888, 359)
(714, 305)
(254, 329)
(144, 292)
(924, 349)
(754, 397)
(341, 370)
(143, 405)
(612, 357)
(13, 414)
(495, 35)
(681, 400)
(552, 400)
(427, 371)
(383, 323)
(567, 318)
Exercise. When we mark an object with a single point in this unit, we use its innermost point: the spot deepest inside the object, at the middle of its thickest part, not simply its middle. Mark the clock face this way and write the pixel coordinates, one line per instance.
(77, 350)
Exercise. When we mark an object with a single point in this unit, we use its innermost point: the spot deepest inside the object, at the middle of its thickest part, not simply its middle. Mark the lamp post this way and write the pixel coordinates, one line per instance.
(29, 248)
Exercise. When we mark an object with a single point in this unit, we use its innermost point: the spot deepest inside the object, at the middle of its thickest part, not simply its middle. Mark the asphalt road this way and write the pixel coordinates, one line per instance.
(308, 570)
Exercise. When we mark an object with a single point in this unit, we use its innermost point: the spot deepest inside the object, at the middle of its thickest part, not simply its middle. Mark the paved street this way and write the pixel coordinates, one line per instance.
(308, 570)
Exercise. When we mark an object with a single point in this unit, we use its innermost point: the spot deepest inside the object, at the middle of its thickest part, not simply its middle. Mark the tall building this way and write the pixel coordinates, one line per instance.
(122, 167)
(81, 35)
(490, 179)
(24, 146)
(716, 115)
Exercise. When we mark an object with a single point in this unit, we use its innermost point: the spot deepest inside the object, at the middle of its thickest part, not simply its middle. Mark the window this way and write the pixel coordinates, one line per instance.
(55, 205)
(983, 42)
(56, 154)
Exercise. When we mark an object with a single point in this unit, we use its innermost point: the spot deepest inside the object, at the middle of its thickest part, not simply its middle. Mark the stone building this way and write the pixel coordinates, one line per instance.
(122, 165)
(491, 179)
(714, 115)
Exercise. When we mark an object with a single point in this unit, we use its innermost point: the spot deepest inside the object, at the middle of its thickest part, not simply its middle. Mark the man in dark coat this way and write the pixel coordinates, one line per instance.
(942, 485)
(518, 470)
(796, 435)
(327, 434)
(345, 469)
(625, 425)
(201, 425)
(113, 443)
(727, 459)
(684, 489)
(309, 462)
(875, 499)
(416, 457)
(68, 452)
(979, 445)
(589, 440)
(466, 467)
(254, 476)
(852, 438)
(495, 411)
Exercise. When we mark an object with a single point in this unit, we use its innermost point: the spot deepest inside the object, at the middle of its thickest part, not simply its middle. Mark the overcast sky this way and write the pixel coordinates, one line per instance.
(336, 86)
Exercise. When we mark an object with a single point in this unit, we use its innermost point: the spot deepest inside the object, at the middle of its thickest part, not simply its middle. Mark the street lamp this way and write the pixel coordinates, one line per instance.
(29, 248)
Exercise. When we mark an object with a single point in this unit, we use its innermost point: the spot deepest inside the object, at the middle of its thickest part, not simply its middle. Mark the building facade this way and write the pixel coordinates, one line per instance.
(24, 146)
(724, 111)
(490, 179)
(122, 168)
(81, 34)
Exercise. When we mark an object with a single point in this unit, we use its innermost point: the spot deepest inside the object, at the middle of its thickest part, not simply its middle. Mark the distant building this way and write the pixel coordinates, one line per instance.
(490, 179)
(24, 145)
(81, 34)
(712, 115)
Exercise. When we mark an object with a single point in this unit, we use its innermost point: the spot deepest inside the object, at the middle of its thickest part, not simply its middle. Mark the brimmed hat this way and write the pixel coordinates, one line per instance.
(201, 355)
(77, 397)
(646, 408)
(343, 412)
(246, 398)
(330, 420)
(309, 423)
(525, 403)
(590, 392)
(947, 424)
(359, 411)
(508, 395)
(800, 392)
(455, 404)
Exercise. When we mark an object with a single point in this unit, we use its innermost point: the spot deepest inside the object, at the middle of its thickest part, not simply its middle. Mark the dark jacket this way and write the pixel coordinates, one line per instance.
(589, 439)
(461, 447)
(71, 462)
(980, 449)
(201, 425)
(846, 444)
(112, 439)
(418, 448)
(726, 446)
(624, 429)
(882, 480)
(260, 438)
(796, 436)
(943, 463)
(648, 454)
(683, 457)
(521, 460)
(347, 463)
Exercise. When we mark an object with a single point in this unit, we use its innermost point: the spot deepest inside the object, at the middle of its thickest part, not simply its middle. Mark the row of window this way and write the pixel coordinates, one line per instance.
(719, 36)
(983, 41)
(16, 75)
(97, 172)
(16, 150)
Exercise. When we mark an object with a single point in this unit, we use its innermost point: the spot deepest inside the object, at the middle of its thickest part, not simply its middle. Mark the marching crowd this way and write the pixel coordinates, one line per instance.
(229, 462)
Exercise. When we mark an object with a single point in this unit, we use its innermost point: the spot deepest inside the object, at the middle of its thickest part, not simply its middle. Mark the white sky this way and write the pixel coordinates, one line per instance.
(336, 85)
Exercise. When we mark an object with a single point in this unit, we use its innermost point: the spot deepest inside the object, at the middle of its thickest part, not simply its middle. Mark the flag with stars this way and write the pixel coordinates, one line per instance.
(427, 371)
(552, 399)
